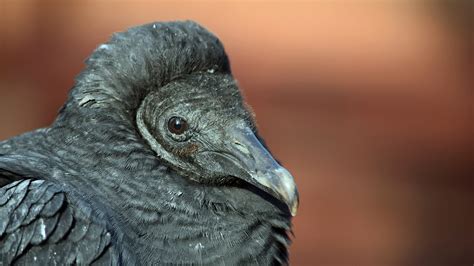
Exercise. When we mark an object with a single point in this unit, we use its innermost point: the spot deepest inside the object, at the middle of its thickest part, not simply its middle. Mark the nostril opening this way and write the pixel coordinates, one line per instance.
(241, 147)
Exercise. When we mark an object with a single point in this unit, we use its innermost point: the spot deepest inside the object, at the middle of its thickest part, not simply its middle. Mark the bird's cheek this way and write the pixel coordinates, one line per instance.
(187, 150)
(219, 164)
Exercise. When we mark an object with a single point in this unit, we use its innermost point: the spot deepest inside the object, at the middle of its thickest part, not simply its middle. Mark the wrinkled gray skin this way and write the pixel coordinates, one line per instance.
(108, 183)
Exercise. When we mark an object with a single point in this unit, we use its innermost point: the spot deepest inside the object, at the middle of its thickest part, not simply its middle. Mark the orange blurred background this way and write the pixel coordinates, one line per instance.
(367, 103)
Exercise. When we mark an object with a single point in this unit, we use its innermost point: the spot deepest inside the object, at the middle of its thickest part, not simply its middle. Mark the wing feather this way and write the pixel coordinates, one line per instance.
(41, 225)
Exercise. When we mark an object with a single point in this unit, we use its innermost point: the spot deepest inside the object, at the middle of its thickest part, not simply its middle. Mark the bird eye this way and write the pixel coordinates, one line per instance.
(177, 125)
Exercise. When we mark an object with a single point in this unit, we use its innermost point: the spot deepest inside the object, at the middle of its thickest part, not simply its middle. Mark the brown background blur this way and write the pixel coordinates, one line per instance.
(368, 104)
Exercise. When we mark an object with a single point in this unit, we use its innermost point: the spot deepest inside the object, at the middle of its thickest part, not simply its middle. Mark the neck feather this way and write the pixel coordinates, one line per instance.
(122, 71)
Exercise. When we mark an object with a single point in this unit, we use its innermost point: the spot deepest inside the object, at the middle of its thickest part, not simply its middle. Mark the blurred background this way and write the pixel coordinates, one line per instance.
(367, 103)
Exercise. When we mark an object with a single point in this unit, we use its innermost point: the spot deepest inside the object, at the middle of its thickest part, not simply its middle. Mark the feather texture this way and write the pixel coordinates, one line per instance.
(39, 226)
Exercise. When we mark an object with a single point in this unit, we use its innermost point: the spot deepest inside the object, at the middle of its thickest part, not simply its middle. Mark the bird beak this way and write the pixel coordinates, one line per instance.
(262, 170)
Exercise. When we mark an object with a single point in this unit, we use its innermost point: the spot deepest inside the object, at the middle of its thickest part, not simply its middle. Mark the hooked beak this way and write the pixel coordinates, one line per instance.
(261, 169)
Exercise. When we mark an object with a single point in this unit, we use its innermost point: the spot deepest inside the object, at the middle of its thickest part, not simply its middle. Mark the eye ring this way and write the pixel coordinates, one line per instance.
(177, 125)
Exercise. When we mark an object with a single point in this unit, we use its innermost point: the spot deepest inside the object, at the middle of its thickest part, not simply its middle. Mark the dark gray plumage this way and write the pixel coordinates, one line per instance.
(154, 159)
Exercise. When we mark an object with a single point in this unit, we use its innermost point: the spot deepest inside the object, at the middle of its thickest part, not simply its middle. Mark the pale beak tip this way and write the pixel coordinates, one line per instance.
(294, 207)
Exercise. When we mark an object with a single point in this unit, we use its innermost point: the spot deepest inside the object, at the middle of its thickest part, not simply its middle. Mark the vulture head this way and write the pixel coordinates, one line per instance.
(200, 125)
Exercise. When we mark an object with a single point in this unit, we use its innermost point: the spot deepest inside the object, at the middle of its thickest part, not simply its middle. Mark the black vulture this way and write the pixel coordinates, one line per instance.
(154, 159)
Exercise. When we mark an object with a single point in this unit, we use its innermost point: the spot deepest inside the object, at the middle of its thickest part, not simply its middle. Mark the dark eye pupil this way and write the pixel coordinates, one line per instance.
(177, 125)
